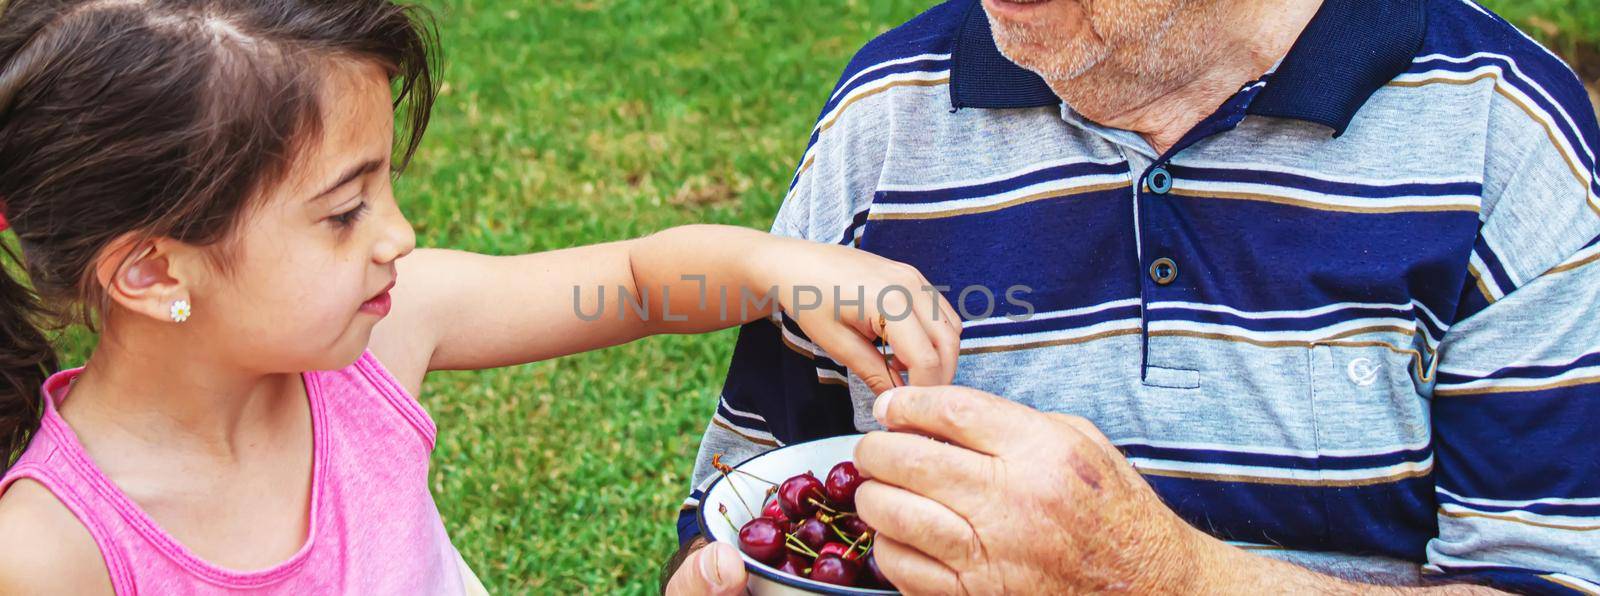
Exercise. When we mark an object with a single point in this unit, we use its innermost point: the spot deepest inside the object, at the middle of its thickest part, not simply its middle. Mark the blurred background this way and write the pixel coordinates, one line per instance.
(566, 122)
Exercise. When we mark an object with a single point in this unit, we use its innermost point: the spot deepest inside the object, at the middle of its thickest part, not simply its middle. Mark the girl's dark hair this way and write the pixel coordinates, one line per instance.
(160, 119)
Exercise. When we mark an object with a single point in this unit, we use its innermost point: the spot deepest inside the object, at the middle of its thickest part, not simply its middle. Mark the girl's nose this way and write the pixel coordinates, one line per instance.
(398, 240)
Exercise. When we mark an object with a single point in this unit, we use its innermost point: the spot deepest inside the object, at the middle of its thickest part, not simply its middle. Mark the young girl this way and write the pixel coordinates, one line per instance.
(209, 181)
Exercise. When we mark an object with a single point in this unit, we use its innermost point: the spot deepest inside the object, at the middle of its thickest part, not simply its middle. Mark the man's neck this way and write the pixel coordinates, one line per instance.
(1164, 90)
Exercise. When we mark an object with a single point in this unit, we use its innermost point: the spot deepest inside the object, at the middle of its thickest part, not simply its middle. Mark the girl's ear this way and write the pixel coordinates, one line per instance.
(146, 276)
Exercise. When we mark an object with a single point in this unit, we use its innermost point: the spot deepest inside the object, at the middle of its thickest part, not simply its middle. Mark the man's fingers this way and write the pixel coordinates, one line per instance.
(716, 569)
(913, 572)
(945, 473)
(916, 521)
(967, 417)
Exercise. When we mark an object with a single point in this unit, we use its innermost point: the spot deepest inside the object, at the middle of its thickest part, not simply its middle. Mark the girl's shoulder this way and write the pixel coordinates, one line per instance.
(45, 548)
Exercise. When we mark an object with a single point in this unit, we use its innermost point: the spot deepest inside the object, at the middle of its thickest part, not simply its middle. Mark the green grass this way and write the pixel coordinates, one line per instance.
(570, 122)
(1571, 27)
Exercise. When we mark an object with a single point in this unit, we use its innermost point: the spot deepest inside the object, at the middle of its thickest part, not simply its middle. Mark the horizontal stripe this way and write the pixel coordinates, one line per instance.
(1328, 194)
(1285, 463)
(942, 60)
(757, 437)
(1584, 258)
(1519, 504)
(912, 79)
(743, 420)
(1573, 583)
(1560, 508)
(1519, 447)
(1301, 338)
(1036, 326)
(991, 204)
(1273, 450)
(1291, 477)
(1054, 171)
(1345, 183)
(1516, 579)
(1376, 206)
(1562, 140)
(1527, 372)
(1576, 378)
(1061, 314)
(1051, 338)
(1528, 92)
(1528, 519)
(1394, 519)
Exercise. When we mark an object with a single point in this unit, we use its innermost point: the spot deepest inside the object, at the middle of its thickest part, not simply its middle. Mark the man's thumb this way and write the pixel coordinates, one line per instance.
(716, 569)
(722, 569)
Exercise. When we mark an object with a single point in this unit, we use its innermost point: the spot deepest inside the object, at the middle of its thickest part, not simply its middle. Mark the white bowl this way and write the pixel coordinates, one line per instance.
(817, 457)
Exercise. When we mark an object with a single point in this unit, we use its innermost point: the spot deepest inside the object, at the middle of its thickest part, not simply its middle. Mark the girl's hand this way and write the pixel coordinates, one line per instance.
(846, 299)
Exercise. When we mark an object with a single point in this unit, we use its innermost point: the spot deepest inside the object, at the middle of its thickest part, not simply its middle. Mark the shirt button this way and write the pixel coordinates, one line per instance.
(1159, 181)
(1163, 271)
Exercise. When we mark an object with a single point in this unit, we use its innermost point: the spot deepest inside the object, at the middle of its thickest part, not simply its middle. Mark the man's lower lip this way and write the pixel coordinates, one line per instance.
(1016, 4)
(377, 306)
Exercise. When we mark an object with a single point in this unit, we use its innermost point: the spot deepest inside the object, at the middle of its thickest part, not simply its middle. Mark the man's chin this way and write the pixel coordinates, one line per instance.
(1056, 58)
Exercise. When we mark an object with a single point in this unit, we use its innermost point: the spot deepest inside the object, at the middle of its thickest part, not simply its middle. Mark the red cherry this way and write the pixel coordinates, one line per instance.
(834, 548)
(852, 526)
(832, 569)
(795, 565)
(773, 511)
(762, 539)
(812, 532)
(795, 495)
(843, 480)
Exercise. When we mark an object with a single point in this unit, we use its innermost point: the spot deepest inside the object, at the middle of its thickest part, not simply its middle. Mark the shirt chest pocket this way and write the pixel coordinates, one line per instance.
(1374, 452)
(1366, 397)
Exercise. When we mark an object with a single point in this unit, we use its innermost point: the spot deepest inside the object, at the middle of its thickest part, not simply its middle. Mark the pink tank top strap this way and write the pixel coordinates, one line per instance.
(50, 462)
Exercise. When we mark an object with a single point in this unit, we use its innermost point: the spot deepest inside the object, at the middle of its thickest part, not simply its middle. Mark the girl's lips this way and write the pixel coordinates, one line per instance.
(377, 306)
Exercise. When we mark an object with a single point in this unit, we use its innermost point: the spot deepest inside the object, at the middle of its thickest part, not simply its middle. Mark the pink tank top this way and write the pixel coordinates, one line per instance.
(374, 527)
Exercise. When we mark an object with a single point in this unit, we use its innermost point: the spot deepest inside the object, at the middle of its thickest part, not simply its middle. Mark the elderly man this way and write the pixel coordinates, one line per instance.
(1313, 292)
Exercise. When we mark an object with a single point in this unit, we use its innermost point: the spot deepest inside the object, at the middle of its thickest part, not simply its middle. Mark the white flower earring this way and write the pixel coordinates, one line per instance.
(180, 311)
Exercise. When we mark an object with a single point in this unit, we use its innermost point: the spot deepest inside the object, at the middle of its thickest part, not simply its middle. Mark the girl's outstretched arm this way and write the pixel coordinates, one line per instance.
(458, 310)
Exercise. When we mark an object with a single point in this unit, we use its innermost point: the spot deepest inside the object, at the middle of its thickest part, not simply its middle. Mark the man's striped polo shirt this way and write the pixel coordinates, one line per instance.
(1348, 320)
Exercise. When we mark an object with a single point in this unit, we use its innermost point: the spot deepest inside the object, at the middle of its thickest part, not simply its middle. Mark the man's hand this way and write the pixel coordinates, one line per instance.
(714, 569)
(1017, 501)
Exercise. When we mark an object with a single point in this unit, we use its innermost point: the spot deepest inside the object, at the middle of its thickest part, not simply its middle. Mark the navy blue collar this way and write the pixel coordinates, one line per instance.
(1350, 49)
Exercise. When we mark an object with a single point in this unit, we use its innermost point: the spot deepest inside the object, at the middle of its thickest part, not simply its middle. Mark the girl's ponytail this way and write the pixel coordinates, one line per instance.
(25, 362)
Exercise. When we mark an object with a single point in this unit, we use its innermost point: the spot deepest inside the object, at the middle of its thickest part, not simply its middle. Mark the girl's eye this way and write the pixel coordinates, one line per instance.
(348, 218)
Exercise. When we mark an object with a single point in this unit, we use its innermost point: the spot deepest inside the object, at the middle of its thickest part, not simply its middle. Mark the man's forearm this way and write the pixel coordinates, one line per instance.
(1232, 568)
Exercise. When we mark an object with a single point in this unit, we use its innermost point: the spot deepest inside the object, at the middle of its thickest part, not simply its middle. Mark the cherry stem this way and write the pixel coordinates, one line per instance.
(736, 493)
(799, 546)
(774, 484)
(723, 509)
(842, 535)
(855, 542)
(822, 506)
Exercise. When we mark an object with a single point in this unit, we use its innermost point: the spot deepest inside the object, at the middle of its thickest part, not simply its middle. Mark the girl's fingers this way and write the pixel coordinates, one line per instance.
(847, 346)
(916, 350)
(943, 327)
